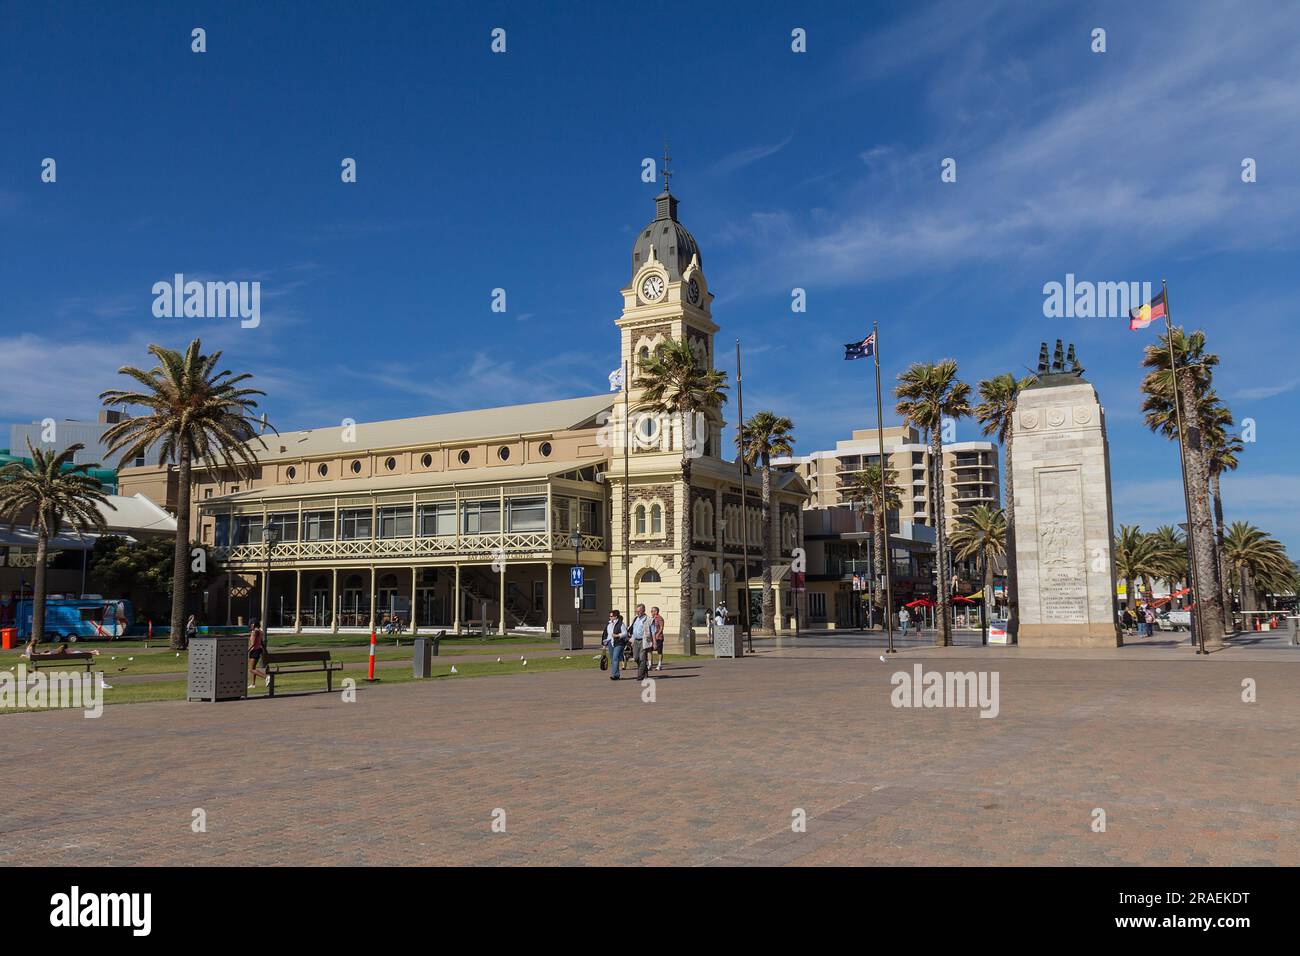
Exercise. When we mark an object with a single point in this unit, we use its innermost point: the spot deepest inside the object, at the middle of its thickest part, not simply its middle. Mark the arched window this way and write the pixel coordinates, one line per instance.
(650, 576)
(640, 519)
(656, 520)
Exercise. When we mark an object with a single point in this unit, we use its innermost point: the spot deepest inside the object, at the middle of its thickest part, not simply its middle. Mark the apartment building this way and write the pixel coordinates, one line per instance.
(970, 473)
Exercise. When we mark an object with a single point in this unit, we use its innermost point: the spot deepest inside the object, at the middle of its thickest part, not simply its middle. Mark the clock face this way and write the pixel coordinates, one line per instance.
(653, 287)
(693, 291)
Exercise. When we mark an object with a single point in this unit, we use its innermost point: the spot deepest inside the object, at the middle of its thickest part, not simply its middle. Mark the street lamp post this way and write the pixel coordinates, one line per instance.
(575, 539)
(269, 536)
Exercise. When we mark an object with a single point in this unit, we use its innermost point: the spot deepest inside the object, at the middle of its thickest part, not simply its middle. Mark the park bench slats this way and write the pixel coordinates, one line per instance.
(37, 661)
(300, 662)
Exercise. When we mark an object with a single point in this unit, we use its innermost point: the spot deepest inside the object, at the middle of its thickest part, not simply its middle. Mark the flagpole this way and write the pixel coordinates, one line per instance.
(1182, 466)
(884, 471)
(627, 499)
(744, 504)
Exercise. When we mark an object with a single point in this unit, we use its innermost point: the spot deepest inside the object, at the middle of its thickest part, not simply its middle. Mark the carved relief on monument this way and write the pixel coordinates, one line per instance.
(1062, 561)
(1029, 420)
(1082, 414)
(1056, 417)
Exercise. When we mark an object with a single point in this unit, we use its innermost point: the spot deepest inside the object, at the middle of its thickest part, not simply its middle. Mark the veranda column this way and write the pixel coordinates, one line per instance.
(297, 602)
(455, 600)
(372, 596)
(550, 618)
(501, 601)
(414, 572)
(334, 600)
(776, 621)
(501, 524)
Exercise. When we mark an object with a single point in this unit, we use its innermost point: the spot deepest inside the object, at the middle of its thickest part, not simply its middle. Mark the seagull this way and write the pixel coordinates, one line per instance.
(453, 669)
(498, 660)
(882, 659)
(525, 662)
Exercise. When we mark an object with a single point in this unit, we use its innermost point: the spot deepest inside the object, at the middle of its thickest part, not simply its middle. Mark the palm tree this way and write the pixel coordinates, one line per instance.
(53, 490)
(1194, 370)
(982, 531)
(864, 492)
(996, 412)
(1258, 559)
(928, 393)
(193, 414)
(766, 435)
(1221, 451)
(1137, 559)
(676, 383)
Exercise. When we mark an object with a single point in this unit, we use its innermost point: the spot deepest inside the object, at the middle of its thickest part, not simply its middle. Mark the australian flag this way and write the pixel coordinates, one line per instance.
(864, 349)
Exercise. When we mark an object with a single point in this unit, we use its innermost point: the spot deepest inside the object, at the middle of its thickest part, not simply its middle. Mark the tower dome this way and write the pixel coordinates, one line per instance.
(673, 245)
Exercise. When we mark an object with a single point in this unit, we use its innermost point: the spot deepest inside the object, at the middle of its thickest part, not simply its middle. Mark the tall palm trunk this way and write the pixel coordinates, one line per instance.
(769, 553)
(181, 556)
(943, 599)
(1220, 565)
(1009, 507)
(1202, 530)
(878, 563)
(688, 642)
(38, 588)
(987, 575)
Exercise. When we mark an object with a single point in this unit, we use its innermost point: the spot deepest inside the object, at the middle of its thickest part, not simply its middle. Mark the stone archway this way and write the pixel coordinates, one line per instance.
(648, 586)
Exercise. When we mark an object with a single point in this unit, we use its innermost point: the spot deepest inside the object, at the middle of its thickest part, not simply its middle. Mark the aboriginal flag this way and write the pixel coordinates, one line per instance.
(1144, 315)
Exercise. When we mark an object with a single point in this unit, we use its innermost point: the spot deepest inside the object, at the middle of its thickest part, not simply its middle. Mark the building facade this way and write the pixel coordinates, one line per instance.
(473, 519)
(970, 473)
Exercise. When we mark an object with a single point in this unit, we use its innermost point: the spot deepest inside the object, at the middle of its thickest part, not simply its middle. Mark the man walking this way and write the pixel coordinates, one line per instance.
(641, 641)
(904, 619)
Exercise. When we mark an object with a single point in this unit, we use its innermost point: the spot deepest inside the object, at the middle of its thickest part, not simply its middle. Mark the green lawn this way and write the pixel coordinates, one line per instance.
(289, 683)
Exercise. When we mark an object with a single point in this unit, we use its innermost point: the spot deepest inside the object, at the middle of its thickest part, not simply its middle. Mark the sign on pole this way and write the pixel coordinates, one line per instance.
(575, 577)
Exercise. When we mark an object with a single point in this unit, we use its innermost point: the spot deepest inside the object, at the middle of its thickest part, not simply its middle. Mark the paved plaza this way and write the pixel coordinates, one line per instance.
(712, 772)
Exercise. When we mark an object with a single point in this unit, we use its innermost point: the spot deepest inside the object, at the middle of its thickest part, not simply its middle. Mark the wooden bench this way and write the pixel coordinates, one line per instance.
(38, 660)
(300, 662)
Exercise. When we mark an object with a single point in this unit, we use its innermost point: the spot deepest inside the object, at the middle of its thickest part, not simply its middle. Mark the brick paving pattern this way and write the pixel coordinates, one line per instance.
(709, 774)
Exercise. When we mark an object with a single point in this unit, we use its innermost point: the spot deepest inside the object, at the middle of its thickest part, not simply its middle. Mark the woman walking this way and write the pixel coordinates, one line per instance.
(256, 654)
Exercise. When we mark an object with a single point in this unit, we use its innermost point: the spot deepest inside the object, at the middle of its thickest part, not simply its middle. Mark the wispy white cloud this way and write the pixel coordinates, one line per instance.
(748, 156)
(1142, 146)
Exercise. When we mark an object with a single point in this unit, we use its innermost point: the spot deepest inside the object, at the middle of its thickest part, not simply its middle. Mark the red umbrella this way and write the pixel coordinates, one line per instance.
(920, 602)
(961, 599)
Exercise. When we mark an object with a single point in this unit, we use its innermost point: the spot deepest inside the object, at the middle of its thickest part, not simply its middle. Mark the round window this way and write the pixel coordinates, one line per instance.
(391, 464)
(322, 469)
(463, 458)
(503, 453)
(545, 449)
(356, 466)
(291, 473)
(427, 460)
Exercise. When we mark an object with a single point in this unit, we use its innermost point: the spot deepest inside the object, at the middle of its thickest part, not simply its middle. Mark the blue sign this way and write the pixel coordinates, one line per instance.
(575, 577)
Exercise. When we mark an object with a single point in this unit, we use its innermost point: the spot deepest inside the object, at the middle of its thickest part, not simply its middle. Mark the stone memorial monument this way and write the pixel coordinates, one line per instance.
(1066, 576)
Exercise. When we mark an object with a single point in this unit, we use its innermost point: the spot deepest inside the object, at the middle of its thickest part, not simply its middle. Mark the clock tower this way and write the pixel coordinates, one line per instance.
(667, 297)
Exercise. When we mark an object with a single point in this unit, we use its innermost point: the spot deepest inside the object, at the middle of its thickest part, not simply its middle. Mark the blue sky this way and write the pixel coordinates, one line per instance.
(522, 171)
